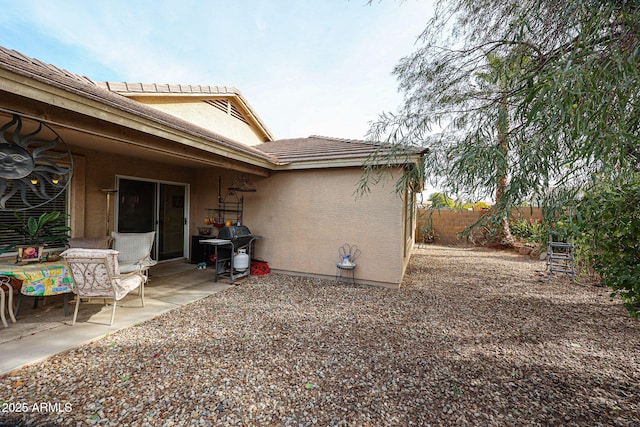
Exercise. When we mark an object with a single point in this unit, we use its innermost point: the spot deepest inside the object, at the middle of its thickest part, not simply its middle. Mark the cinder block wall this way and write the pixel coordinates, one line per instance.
(449, 223)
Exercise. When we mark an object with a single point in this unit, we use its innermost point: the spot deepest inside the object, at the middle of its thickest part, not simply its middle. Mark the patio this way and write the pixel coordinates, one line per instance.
(473, 337)
(41, 332)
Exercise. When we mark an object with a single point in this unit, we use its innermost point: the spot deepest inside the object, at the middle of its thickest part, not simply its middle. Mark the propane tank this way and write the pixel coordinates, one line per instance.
(241, 260)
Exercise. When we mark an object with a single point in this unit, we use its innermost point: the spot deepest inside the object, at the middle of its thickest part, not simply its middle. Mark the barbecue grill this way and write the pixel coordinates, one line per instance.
(229, 240)
(238, 234)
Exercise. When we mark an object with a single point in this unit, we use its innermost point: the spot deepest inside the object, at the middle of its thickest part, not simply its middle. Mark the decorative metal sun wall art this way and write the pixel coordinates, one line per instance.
(35, 164)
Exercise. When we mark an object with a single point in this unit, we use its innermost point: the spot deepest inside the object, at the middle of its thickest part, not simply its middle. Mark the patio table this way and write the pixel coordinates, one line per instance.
(42, 279)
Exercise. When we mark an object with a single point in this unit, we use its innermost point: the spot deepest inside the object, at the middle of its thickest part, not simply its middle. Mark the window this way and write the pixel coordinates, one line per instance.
(36, 167)
(8, 217)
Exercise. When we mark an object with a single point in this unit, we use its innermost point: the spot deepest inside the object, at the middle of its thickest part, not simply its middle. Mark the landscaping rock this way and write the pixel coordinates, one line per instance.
(525, 250)
(473, 337)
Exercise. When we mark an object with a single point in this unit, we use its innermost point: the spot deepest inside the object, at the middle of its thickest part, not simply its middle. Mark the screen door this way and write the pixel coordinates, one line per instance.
(154, 206)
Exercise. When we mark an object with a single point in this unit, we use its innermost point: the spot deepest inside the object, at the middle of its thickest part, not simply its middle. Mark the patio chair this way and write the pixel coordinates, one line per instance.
(95, 275)
(347, 265)
(102, 242)
(5, 282)
(134, 251)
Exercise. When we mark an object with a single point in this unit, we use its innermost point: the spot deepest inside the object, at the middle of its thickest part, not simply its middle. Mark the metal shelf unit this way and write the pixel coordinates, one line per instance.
(560, 257)
(230, 208)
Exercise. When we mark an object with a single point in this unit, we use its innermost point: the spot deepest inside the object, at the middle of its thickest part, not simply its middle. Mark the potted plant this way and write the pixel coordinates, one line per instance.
(33, 234)
(427, 232)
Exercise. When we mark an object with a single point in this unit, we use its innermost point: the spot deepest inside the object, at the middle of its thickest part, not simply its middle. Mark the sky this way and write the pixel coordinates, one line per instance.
(307, 67)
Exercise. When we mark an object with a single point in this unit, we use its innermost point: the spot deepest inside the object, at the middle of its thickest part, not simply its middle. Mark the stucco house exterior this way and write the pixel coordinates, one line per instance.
(173, 150)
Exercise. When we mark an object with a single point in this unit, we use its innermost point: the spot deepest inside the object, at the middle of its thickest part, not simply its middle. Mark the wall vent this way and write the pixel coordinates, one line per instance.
(229, 108)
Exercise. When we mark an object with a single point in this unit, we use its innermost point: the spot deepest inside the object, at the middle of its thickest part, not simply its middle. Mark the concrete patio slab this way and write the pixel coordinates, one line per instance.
(42, 332)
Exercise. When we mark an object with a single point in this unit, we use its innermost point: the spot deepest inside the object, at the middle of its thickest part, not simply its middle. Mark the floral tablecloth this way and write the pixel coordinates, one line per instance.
(41, 279)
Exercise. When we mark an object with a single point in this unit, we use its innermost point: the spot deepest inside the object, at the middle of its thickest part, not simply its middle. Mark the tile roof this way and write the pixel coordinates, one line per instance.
(323, 148)
(129, 87)
(15, 61)
(18, 63)
(300, 150)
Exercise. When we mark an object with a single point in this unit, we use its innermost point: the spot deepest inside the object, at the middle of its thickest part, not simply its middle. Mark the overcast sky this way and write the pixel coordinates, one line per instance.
(308, 67)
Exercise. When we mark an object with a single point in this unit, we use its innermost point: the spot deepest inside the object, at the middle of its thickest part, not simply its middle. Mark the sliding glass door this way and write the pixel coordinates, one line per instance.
(171, 222)
(136, 206)
(154, 206)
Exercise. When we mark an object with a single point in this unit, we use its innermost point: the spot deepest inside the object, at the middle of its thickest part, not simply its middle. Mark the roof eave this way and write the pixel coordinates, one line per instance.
(37, 89)
(342, 163)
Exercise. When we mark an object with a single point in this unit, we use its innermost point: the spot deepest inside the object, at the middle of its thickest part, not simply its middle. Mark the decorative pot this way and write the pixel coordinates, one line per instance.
(29, 253)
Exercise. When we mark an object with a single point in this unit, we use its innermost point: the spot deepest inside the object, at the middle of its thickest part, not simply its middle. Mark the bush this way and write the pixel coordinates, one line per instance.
(528, 231)
(609, 224)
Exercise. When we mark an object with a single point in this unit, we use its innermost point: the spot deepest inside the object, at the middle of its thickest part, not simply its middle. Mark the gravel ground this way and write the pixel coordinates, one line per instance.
(473, 337)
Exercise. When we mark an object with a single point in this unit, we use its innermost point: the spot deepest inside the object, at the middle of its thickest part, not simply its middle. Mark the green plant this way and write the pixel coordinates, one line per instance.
(528, 231)
(609, 224)
(440, 200)
(427, 232)
(48, 228)
(481, 205)
(518, 101)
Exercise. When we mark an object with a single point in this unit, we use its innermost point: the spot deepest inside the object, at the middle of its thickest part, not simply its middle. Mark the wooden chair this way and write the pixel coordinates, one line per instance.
(95, 275)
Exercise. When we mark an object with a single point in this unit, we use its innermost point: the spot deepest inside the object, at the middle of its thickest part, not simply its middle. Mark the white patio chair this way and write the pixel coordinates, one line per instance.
(5, 282)
(134, 251)
(102, 242)
(95, 275)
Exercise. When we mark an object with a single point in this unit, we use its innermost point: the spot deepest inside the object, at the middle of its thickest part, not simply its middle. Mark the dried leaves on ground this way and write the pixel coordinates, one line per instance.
(473, 337)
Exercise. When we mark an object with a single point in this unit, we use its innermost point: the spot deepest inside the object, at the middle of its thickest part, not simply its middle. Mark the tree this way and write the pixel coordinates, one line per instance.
(609, 227)
(532, 100)
(501, 82)
(563, 93)
(439, 200)
(477, 206)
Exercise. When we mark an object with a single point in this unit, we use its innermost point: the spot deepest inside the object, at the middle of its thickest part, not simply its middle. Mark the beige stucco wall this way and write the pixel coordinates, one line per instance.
(95, 171)
(204, 193)
(304, 216)
(99, 170)
(206, 116)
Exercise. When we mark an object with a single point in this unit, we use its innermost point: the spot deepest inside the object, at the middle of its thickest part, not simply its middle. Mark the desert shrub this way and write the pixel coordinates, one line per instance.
(528, 231)
(609, 224)
(427, 232)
